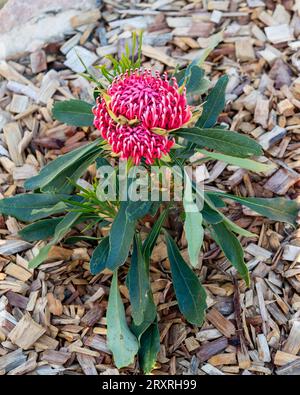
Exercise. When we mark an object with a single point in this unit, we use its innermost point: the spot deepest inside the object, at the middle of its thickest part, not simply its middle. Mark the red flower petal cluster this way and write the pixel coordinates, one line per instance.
(149, 102)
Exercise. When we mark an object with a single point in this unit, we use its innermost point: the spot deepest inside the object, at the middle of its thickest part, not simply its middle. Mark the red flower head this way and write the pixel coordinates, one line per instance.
(138, 104)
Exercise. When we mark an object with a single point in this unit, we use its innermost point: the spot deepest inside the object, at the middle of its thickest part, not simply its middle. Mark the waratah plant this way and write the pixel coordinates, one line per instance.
(145, 123)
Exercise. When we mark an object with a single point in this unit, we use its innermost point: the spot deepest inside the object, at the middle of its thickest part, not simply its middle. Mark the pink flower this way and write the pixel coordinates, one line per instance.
(148, 102)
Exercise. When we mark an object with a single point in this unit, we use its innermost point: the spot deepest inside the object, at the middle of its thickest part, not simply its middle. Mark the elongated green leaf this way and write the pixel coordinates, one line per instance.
(149, 316)
(54, 175)
(237, 229)
(154, 208)
(121, 235)
(45, 228)
(40, 257)
(241, 162)
(74, 112)
(277, 209)
(149, 348)
(183, 75)
(197, 83)
(30, 207)
(102, 162)
(211, 215)
(214, 104)
(47, 211)
(190, 294)
(216, 201)
(150, 241)
(75, 239)
(196, 74)
(214, 40)
(227, 142)
(231, 248)
(99, 257)
(138, 209)
(62, 182)
(61, 230)
(65, 225)
(138, 283)
(121, 341)
(40, 230)
(148, 245)
(192, 225)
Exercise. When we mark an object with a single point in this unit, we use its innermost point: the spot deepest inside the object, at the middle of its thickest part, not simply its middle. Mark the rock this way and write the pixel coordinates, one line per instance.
(27, 26)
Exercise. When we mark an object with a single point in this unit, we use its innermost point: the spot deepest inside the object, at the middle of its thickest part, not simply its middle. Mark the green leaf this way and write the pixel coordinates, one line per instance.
(150, 308)
(99, 257)
(190, 294)
(237, 229)
(150, 241)
(227, 142)
(45, 228)
(211, 215)
(192, 225)
(40, 257)
(184, 75)
(138, 283)
(40, 230)
(149, 316)
(138, 209)
(197, 83)
(30, 207)
(65, 225)
(214, 104)
(214, 40)
(231, 248)
(66, 179)
(277, 209)
(54, 176)
(240, 162)
(74, 112)
(75, 239)
(154, 208)
(47, 211)
(61, 230)
(102, 162)
(195, 74)
(121, 235)
(149, 348)
(148, 245)
(217, 201)
(121, 341)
